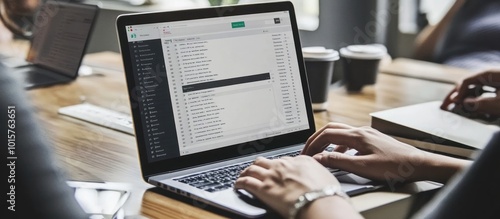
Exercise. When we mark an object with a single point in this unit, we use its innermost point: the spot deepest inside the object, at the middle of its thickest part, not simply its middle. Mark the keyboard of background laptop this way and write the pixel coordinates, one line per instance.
(224, 177)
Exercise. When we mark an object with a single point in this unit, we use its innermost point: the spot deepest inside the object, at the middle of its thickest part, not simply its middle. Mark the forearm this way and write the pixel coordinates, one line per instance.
(427, 39)
(440, 168)
(330, 207)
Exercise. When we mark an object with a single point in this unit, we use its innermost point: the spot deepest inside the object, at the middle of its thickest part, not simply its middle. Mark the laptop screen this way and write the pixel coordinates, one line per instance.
(60, 36)
(215, 83)
(229, 80)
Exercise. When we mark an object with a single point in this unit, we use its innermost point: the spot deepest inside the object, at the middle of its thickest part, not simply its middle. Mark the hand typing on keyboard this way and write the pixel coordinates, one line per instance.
(376, 153)
(223, 178)
(279, 183)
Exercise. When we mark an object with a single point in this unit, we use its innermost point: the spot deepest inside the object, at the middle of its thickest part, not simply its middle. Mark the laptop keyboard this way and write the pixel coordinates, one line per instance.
(224, 178)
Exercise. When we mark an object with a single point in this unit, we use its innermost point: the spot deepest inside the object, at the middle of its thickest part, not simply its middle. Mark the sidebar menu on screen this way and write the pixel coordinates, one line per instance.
(153, 99)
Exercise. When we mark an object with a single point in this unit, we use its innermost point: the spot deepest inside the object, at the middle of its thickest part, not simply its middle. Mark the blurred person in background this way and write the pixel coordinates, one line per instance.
(10, 10)
(466, 37)
(38, 187)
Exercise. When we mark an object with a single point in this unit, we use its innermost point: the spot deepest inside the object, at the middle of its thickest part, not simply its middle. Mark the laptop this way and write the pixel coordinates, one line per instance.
(60, 37)
(211, 89)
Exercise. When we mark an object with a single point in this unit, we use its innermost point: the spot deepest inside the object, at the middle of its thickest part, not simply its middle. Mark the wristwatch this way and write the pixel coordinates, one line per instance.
(309, 197)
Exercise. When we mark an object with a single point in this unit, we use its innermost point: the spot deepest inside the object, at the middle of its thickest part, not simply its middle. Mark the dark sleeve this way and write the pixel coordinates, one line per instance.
(471, 40)
(36, 185)
(474, 193)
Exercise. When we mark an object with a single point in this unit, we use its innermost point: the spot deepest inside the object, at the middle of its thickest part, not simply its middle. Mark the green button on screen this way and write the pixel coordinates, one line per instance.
(238, 24)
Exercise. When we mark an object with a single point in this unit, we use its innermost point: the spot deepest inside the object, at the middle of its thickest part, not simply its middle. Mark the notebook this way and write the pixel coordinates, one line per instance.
(211, 89)
(58, 44)
(436, 129)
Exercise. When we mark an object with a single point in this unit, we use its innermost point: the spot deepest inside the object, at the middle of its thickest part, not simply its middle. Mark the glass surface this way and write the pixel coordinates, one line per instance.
(101, 200)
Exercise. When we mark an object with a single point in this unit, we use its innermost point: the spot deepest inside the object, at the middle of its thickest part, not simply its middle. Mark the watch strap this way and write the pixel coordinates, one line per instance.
(311, 196)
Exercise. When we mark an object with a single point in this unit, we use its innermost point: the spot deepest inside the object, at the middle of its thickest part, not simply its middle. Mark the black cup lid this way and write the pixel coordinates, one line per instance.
(369, 51)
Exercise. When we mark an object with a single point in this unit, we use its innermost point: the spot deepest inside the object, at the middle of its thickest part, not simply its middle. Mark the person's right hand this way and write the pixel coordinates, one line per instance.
(380, 157)
(468, 98)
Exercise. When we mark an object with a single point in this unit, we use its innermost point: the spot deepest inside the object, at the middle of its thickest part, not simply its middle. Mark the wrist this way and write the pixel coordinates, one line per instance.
(308, 198)
(327, 207)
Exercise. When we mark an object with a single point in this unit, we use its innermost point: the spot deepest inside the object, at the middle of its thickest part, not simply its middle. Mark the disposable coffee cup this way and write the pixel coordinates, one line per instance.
(319, 63)
(360, 65)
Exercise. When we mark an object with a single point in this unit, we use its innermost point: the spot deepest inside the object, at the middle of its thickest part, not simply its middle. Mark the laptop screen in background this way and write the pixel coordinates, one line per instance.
(60, 36)
(211, 83)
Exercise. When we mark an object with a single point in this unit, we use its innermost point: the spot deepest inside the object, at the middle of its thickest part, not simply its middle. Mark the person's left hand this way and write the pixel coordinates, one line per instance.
(278, 183)
(379, 156)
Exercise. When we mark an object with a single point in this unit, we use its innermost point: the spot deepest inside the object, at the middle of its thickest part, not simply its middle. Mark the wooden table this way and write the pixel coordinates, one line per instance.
(90, 152)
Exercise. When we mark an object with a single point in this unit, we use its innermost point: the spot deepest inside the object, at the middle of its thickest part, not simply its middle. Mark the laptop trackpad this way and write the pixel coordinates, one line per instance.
(354, 179)
(249, 198)
(35, 76)
(232, 200)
